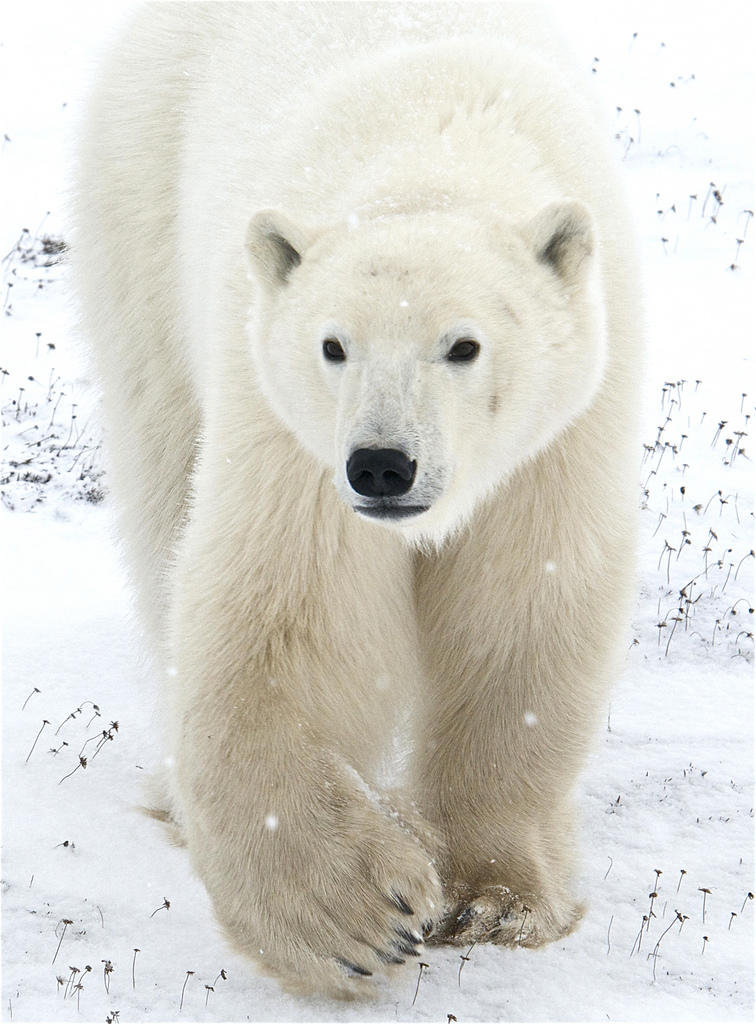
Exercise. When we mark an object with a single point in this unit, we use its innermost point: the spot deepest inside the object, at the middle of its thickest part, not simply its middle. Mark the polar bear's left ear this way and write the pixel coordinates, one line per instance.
(275, 245)
(561, 235)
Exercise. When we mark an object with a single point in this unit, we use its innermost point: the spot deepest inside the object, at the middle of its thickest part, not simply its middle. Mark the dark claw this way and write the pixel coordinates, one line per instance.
(354, 968)
(389, 958)
(408, 936)
(427, 928)
(401, 903)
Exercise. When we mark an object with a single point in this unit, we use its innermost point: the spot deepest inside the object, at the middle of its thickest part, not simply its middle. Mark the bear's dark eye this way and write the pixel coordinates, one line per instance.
(463, 351)
(333, 351)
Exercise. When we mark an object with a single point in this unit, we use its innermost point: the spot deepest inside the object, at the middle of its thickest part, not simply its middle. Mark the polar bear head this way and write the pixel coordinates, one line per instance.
(425, 357)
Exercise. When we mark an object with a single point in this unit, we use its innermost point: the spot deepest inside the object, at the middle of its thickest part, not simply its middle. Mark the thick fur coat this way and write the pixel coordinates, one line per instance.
(310, 231)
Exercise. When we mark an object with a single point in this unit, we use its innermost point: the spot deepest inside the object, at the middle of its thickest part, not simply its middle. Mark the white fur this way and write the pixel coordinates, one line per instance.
(436, 180)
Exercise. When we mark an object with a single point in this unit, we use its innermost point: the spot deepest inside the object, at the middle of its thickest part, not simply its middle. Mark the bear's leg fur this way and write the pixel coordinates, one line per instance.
(294, 642)
(515, 687)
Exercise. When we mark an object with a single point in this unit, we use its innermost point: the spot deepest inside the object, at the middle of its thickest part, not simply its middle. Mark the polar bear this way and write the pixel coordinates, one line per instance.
(361, 290)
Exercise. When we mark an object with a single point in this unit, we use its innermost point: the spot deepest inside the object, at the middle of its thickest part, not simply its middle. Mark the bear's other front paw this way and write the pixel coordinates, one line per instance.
(496, 914)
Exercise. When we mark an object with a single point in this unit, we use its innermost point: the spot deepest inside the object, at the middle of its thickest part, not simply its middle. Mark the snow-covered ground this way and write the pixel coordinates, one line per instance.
(102, 919)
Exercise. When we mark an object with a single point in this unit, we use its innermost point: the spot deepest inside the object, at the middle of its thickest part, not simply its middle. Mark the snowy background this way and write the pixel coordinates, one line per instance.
(102, 919)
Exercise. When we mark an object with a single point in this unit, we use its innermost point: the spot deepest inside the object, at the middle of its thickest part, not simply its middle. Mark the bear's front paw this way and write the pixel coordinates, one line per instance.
(334, 895)
(496, 914)
(355, 912)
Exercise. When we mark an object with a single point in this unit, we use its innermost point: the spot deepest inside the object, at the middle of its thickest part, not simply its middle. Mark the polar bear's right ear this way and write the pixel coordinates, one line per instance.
(275, 245)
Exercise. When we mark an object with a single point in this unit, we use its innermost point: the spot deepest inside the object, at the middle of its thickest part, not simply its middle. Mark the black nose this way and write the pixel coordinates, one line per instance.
(380, 472)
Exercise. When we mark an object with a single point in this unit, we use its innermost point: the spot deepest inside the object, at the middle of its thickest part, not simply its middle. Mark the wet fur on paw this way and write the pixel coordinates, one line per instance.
(496, 914)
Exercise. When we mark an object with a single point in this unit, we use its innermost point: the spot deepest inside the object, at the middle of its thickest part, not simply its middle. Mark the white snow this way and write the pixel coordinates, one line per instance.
(101, 915)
